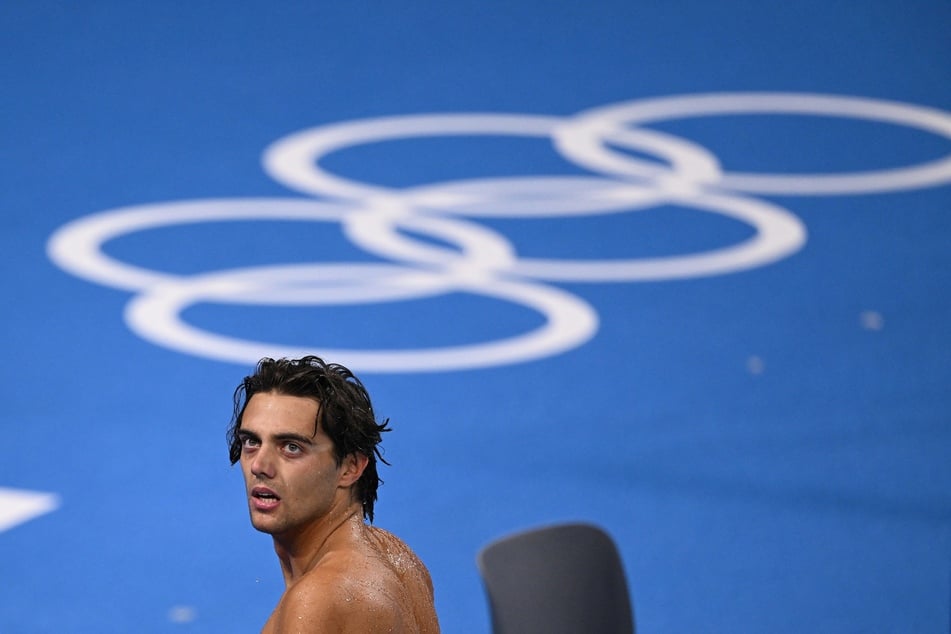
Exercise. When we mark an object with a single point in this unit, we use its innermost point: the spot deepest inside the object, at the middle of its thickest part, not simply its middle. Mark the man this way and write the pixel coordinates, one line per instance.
(307, 439)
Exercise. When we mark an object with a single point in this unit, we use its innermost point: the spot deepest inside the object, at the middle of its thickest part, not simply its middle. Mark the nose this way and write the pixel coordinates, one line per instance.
(262, 463)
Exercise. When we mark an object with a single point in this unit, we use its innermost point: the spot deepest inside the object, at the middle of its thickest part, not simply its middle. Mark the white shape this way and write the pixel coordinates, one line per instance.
(424, 228)
(18, 506)
(778, 235)
(534, 196)
(294, 159)
(381, 230)
(76, 247)
(182, 614)
(156, 314)
(583, 140)
(611, 120)
(872, 320)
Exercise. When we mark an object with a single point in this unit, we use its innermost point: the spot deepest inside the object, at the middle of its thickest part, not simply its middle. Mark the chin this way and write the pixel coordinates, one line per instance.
(264, 524)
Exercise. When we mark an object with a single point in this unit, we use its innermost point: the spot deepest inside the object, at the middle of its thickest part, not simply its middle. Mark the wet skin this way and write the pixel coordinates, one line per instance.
(340, 574)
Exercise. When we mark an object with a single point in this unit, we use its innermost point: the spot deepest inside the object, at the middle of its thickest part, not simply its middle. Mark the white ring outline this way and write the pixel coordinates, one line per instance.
(376, 231)
(574, 138)
(294, 160)
(778, 234)
(76, 247)
(693, 174)
(155, 315)
(530, 196)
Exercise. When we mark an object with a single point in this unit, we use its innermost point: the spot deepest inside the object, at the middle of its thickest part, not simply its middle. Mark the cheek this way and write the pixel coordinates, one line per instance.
(315, 481)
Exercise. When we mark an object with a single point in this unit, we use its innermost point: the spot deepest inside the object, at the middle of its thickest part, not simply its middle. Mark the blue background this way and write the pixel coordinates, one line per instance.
(813, 496)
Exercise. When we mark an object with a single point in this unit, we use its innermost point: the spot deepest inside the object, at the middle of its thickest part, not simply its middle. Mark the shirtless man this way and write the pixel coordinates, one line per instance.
(305, 434)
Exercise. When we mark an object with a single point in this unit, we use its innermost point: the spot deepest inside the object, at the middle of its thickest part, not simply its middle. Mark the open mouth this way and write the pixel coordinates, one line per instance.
(264, 498)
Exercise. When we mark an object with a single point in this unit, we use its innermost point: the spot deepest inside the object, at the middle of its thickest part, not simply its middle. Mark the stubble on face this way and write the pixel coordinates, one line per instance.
(289, 466)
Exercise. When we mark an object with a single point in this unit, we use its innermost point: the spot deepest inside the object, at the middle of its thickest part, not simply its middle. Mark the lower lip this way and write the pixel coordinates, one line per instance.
(264, 504)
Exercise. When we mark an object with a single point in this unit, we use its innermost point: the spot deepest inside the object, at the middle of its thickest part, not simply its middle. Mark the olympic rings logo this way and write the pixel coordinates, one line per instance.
(382, 221)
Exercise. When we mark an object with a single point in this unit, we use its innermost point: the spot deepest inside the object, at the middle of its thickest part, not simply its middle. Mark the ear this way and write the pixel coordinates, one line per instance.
(352, 468)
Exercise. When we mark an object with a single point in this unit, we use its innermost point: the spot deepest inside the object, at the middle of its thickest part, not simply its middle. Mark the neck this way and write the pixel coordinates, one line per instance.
(301, 552)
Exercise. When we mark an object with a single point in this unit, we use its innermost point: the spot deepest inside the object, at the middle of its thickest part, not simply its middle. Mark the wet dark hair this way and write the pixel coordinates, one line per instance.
(345, 413)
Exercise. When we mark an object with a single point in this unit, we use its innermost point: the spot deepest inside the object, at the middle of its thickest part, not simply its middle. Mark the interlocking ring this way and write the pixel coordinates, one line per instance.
(434, 245)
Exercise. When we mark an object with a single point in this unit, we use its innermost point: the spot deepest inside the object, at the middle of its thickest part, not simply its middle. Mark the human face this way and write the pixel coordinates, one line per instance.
(290, 470)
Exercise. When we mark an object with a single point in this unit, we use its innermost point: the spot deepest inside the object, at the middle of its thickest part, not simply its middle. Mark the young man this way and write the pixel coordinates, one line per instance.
(307, 439)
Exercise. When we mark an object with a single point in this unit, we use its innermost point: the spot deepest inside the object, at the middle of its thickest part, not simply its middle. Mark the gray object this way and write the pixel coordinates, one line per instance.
(562, 579)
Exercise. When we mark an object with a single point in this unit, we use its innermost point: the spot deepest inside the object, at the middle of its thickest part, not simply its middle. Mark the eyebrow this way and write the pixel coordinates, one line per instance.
(287, 436)
(281, 437)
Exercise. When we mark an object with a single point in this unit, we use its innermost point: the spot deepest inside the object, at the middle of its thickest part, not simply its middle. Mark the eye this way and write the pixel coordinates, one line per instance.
(247, 442)
(292, 448)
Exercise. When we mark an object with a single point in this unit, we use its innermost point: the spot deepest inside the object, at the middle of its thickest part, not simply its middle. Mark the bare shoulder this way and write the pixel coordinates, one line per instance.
(415, 582)
(332, 599)
(380, 586)
(399, 557)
